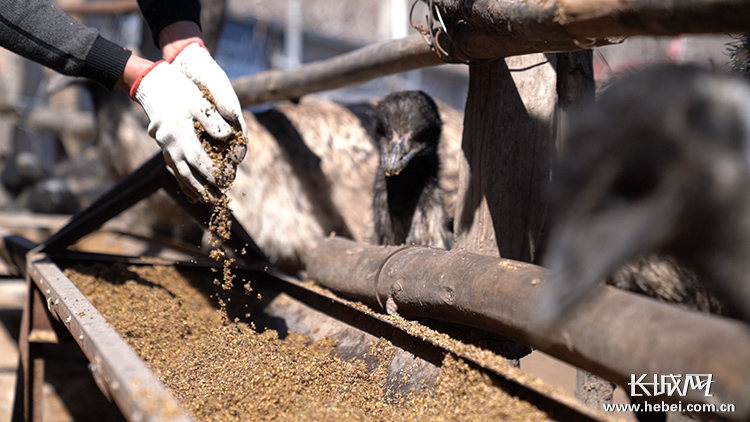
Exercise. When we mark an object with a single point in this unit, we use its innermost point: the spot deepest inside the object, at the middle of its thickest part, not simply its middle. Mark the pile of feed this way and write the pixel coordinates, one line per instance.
(220, 368)
(224, 154)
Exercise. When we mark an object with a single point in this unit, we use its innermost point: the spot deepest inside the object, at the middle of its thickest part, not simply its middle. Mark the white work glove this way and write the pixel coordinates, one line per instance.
(172, 102)
(195, 62)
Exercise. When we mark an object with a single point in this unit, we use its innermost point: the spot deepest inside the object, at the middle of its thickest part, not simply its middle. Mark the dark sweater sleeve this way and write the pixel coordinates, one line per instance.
(161, 13)
(37, 30)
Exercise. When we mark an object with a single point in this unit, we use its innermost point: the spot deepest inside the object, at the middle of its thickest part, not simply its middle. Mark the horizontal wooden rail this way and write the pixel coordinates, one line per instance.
(496, 28)
(499, 28)
(614, 335)
(351, 68)
(48, 119)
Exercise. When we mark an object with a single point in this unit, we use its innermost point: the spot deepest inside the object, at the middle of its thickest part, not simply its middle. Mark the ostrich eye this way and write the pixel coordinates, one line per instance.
(644, 169)
(635, 183)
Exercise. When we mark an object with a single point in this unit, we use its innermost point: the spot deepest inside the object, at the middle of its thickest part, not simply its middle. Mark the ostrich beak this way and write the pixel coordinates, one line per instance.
(396, 155)
(585, 250)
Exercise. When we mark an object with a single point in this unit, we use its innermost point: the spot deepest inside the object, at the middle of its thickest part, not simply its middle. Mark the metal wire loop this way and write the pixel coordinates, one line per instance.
(430, 33)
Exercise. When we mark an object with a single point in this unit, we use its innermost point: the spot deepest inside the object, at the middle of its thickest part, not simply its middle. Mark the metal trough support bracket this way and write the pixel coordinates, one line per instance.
(37, 329)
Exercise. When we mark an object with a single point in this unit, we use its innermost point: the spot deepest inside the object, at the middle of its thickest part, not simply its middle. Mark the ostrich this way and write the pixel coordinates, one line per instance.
(659, 166)
(407, 203)
(306, 175)
(309, 172)
(652, 196)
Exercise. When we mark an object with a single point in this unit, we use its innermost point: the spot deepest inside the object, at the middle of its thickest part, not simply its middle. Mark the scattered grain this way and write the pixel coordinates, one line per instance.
(222, 370)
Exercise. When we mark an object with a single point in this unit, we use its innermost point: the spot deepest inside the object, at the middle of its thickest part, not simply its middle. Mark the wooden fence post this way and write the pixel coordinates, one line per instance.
(513, 111)
(504, 173)
(575, 85)
(507, 145)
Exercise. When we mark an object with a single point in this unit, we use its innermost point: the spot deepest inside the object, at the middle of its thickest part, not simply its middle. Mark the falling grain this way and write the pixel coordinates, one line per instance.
(220, 223)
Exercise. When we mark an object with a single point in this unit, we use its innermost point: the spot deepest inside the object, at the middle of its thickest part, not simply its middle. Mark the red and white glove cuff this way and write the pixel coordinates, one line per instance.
(137, 83)
(174, 56)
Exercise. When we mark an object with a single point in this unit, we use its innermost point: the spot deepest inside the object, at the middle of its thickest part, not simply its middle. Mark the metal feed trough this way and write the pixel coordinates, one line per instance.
(57, 310)
(57, 304)
(618, 335)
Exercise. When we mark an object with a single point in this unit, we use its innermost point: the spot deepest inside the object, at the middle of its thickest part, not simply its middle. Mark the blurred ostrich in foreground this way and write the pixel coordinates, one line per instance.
(652, 196)
(658, 166)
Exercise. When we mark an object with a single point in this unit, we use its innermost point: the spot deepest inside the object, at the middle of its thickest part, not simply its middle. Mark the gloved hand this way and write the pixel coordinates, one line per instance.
(195, 62)
(172, 102)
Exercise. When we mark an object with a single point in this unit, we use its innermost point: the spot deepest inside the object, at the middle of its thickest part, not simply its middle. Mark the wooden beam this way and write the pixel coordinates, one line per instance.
(575, 86)
(485, 29)
(358, 66)
(507, 145)
(614, 335)
(79, 124)
(490, 29)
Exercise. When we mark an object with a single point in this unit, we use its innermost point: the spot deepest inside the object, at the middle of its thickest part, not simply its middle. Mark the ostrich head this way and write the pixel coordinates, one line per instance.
(658, 164)
(410, 127)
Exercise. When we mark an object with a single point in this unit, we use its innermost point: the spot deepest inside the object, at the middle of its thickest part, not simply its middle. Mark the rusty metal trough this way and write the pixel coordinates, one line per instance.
(618, 334)
(57, 311)
(55, 302)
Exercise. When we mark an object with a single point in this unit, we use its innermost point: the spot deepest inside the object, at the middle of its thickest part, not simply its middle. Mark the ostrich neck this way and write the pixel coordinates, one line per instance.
(404, 189)
(397, 197)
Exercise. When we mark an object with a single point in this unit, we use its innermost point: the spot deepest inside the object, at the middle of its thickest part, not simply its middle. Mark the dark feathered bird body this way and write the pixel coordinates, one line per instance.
(740, 56)
(407, 201)
(408, 209)
(666, 280)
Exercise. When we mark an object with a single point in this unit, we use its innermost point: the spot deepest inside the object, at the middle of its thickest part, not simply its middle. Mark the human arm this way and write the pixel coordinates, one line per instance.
(159, 14)
(37, 30)
(182, 46)
(43, 33)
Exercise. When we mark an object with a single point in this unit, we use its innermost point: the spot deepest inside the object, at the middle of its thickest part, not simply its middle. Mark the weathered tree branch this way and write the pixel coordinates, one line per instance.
(500, 28)
(358, 66)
